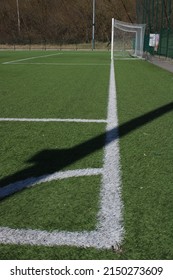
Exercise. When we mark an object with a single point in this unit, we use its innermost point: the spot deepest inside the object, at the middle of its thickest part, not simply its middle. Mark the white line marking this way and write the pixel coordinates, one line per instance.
(30, 182)
(51, 120)
(110, 215)
(29, 58)
(109, 230)
(128, 58)
(61, 64)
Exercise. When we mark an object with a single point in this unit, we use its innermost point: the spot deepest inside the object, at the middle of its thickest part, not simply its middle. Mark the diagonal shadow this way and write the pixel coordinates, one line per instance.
(50, 161)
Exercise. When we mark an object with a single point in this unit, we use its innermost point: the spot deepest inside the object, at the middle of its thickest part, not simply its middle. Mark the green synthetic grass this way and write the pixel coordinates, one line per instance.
(52, 90)
(33, 149)
(144, 95)
(57, 205)
(16, 252)
(146, 158)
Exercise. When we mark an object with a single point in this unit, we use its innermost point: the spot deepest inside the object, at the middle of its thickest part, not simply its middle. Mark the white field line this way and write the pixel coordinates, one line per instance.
(30, 182)
(126, 58)
(109, 230)
(129, 58)
(30, 58)
(52, 120)
(60, 64)
(110, 215)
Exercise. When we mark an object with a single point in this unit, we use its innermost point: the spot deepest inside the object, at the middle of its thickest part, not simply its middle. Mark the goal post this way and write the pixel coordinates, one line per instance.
(127, 39)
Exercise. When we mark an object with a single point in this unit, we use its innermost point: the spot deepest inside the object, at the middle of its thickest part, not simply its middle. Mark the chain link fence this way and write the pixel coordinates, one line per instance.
(158, 17)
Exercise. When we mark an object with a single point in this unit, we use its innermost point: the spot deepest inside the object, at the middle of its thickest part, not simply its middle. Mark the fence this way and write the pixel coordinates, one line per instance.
(158, 17)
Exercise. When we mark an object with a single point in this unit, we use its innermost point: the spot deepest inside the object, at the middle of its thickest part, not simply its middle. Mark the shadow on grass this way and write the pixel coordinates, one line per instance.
(50, 161)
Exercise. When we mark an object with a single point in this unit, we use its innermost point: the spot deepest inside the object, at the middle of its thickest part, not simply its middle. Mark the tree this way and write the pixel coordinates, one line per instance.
(61, 21)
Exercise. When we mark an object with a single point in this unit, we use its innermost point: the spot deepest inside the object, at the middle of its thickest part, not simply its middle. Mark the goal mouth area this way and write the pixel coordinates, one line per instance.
(126, 55)
(127, 40)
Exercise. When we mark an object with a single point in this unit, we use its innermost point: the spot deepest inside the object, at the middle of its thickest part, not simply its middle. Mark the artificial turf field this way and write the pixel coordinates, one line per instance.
(74, 85)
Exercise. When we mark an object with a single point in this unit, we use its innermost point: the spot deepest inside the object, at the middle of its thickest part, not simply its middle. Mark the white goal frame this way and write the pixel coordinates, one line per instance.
(137, 29)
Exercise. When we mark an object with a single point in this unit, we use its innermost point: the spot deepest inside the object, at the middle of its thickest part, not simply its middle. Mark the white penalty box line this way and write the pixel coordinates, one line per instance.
(23, 61)
(30, 58)
(109, 229)
(60, 64)
(52, 120)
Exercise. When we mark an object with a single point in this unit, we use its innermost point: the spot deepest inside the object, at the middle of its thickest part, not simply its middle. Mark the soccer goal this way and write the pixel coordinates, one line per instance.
(127, 39)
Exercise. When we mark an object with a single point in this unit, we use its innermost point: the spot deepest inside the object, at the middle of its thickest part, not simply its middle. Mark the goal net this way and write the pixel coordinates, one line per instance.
(127, 39)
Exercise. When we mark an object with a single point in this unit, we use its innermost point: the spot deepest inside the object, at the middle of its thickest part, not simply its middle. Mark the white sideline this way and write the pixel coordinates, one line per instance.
(52, 120)
(109, 230)
(29, 58)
